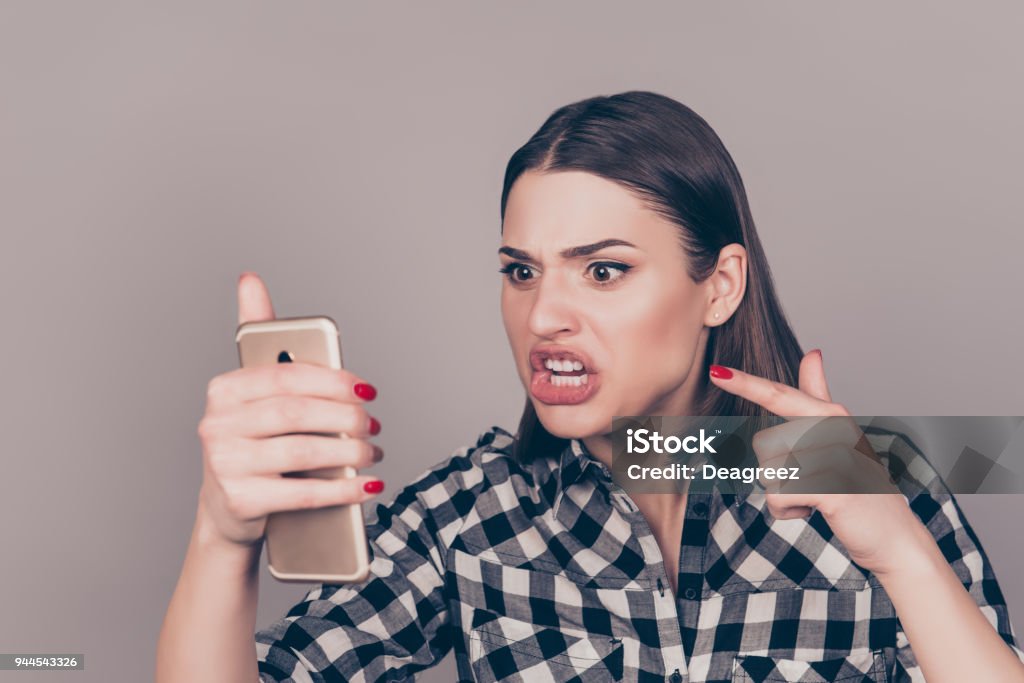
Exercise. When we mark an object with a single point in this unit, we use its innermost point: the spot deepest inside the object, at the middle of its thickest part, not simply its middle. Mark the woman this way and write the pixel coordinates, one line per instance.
(635, 284)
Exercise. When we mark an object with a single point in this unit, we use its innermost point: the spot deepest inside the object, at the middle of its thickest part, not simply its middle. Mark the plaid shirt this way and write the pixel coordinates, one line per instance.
(549, 572)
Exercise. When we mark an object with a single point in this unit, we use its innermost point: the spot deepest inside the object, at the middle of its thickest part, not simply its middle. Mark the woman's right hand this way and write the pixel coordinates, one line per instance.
(248, 437)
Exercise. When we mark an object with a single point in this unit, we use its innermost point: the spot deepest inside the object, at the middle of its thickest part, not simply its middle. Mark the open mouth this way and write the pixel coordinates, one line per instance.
(561, 376)
(566, 373)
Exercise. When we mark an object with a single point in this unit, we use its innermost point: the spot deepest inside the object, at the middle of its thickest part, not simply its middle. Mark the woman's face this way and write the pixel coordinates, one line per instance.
(600, 312)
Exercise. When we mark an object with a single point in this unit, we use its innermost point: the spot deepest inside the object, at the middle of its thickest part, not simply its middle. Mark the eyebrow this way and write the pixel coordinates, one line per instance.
(571, 252)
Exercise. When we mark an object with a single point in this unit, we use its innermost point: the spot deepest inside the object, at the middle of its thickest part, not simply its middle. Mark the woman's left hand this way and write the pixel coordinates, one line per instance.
(878, 529)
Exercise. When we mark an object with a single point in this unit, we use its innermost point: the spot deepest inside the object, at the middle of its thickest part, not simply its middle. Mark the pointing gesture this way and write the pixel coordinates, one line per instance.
(834, 455)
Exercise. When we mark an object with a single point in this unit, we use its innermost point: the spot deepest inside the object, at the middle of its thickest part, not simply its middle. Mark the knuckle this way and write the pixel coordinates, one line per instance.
(837, 409)
(216, 389)
(282, 379)
(758, 442)
(291, 409)
(207, 428)
(306, 497)
(299, 455)
(218, 461)
(235, 503)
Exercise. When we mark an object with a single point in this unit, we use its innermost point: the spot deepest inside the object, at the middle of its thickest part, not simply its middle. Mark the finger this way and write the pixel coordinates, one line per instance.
(780, 399)
(804, 434)
(792, 512)
(298, 453)
(265, 495)
(293, 453)
(828, 469)
(812, 376)
(286, 379)
(253, 299)
(791, 505)
(297, 414)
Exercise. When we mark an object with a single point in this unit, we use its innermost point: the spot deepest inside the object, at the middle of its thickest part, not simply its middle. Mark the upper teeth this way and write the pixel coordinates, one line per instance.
(562, 365)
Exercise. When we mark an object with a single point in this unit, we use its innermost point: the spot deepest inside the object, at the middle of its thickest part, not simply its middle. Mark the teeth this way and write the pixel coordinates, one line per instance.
(563, 365)
(568, 380)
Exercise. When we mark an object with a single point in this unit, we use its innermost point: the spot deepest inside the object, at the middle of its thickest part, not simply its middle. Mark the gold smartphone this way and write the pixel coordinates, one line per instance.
(322, 545)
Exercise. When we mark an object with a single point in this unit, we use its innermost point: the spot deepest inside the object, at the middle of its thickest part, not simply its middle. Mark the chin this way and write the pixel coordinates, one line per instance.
(572, 422)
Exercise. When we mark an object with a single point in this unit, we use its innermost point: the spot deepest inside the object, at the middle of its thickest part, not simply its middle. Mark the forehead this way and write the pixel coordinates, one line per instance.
(565, 208)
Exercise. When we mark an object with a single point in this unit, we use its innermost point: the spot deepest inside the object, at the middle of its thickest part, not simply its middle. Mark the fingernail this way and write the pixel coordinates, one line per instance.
(242, 276)
(819, 352)
(378, 454)
(365, 391)
(375, 486)
(720, 372)
(374, 426)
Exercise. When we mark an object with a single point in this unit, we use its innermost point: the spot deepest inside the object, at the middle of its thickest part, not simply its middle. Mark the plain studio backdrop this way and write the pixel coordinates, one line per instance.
(353, 157)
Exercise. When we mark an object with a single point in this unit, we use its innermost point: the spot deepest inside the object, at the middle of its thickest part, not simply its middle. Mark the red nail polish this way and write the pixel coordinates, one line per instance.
(375, 486)
(365, 391)
(374, 426)
(719, 372)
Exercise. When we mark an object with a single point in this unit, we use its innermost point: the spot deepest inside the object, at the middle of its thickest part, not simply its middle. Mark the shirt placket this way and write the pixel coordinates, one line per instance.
(666, 608)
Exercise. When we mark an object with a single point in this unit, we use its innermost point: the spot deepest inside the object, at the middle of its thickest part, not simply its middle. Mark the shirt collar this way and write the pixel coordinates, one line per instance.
(575, 465)
(575, 461)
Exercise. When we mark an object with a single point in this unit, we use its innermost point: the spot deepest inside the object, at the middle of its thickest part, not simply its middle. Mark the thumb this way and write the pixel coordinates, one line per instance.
(812, 376)
(253, 299)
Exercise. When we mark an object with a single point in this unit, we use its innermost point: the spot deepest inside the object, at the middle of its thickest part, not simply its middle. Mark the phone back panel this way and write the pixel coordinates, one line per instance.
(325, 545)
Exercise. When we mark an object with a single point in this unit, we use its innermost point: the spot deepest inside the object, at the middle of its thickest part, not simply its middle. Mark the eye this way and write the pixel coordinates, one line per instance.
(607, 272)
(517, 272)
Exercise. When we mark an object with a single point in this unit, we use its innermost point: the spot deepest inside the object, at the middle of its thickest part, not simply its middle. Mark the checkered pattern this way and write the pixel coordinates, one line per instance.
(548, 572)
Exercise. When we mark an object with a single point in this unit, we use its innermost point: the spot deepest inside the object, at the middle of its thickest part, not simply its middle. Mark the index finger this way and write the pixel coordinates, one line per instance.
(299, 379)
(780, 399)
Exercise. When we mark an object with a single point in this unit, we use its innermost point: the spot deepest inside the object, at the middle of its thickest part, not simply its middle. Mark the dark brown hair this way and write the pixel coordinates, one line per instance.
(670, 157)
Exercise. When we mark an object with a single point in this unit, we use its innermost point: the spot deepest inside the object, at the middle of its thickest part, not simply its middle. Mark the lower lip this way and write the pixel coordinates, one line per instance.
(544, 391)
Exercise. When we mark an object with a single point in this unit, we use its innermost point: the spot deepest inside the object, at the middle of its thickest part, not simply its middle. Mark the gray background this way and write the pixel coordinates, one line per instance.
(353, 157)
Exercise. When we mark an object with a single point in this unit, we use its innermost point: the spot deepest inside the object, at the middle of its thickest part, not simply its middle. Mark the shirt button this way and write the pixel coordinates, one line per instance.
(690, 593)
(676, 677)
(700, 509)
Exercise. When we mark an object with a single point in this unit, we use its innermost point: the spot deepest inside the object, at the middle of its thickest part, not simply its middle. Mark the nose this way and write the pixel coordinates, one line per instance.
(552, 312)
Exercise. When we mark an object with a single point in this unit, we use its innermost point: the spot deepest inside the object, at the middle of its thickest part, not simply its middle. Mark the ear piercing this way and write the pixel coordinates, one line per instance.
(716, 316)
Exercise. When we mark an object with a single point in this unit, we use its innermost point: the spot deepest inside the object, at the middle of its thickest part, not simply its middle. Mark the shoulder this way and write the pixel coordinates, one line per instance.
(908, 465)
(926, 491)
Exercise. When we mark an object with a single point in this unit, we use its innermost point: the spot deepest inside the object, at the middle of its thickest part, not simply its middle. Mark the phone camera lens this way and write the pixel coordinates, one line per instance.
(285, 357)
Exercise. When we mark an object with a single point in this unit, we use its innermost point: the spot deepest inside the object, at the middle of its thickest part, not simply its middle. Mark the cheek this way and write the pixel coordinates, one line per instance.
(514, 312)
(653, 340)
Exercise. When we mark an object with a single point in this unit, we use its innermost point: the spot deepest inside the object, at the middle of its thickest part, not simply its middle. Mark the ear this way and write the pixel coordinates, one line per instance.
(727, 285)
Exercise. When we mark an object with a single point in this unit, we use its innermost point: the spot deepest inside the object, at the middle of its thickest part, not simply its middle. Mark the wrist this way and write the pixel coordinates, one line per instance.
(914, 556)
(209, 541)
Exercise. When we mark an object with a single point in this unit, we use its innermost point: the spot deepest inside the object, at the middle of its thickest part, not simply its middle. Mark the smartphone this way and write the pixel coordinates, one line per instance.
(322, 545)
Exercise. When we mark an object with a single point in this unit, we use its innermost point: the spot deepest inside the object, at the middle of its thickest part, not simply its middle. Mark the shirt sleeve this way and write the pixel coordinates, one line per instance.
(941, 514)
(391, 625)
